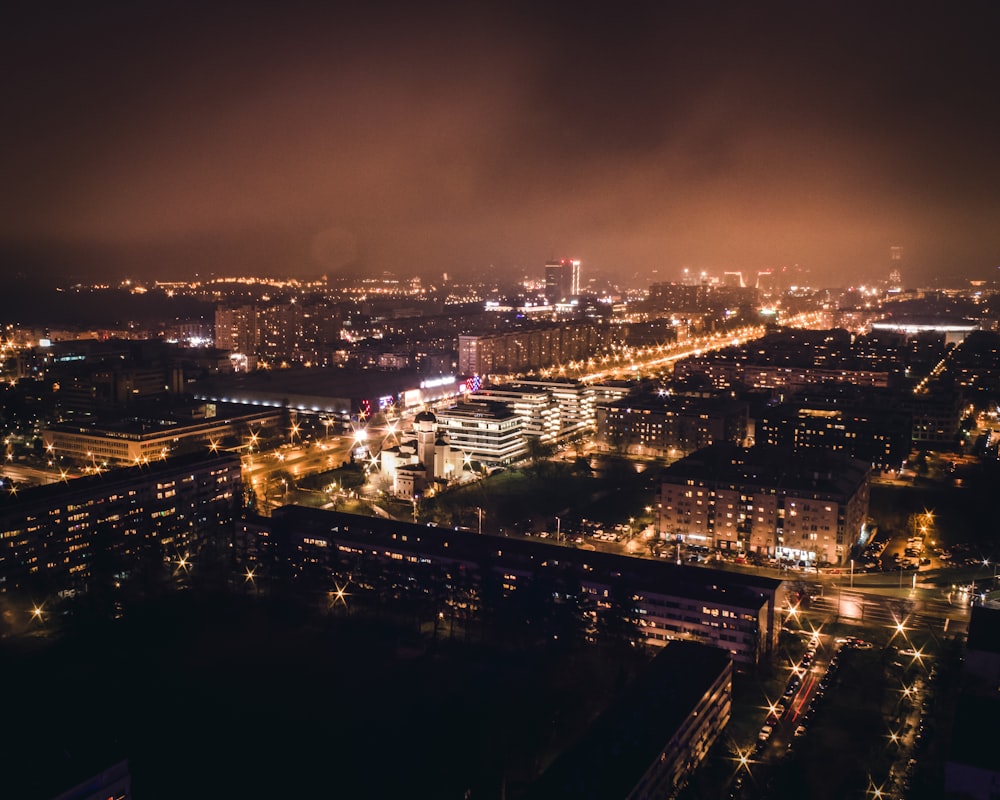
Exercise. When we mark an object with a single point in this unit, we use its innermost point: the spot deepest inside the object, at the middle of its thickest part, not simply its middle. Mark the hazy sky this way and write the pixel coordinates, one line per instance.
(164, 138)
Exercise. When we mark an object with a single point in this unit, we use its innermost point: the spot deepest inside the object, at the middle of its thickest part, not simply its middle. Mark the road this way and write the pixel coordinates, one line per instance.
(264, 469)
(919, 609)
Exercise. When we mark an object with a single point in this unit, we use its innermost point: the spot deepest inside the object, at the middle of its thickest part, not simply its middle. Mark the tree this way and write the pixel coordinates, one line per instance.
(619, 622)
(539, 453)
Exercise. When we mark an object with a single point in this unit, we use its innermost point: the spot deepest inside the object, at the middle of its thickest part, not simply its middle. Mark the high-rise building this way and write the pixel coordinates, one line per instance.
(895, 274)
(562, 280)
(236, 329)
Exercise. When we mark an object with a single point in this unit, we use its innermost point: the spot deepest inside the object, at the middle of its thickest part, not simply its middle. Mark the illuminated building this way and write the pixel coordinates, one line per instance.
(554, 410)
(533, 404)
(341, 392)
(293, 331)
(700, 298)
(936, 416)
(954, 331)
(803, 507)
(662, 427)
(562, 280)
(487, 432)
(142, 441)
(421, 459)
(788, 361)
(236, 330)
(52, 536)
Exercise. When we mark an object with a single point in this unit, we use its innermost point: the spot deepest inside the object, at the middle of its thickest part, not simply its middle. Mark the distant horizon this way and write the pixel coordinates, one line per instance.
(172, 137)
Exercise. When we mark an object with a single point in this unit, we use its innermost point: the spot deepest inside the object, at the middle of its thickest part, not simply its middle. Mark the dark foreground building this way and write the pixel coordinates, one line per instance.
(398, 561)
(972, 771)
(646, 744)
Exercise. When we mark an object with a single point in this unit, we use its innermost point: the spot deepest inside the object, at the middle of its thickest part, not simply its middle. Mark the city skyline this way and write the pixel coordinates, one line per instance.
(173, 139)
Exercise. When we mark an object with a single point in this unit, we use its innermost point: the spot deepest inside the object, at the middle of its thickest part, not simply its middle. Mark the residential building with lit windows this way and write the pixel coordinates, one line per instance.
(51, 536)
(937, 416)
(880, 436)
(535, 346)
(735, 613)
(726, 375)
(788, 361)
(669, 426)
(805, 507)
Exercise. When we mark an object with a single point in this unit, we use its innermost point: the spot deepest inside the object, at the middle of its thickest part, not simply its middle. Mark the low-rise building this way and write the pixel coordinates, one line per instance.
(137, 441)
(421, 459)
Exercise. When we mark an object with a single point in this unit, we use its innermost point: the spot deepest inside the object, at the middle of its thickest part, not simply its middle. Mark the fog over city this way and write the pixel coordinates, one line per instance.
(167, 139)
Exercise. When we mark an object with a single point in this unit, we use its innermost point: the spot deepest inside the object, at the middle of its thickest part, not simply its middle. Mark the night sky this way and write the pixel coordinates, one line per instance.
(163, 139)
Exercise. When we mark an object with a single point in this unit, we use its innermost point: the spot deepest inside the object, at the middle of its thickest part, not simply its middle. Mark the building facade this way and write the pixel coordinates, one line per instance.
(484, 431)
(669, 427)
(653, 737)
(536, 346)
(52, 536)
(878, 436)
(553, 410)
(801, 507)
(138, 442)
(666, 602)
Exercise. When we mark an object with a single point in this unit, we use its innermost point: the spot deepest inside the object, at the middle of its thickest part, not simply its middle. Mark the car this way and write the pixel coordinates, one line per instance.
(765, 733)
(800, 730)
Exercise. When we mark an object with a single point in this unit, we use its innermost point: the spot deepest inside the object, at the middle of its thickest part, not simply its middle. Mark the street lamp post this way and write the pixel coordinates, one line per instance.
(852, 573)
(558, 529)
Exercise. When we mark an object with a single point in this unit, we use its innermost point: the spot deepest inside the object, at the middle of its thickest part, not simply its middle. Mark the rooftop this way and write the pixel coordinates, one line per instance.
(663, 577)
(630, 735)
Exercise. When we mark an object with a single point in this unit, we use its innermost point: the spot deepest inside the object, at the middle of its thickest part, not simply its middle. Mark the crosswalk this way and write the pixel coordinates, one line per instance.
(924, 614)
